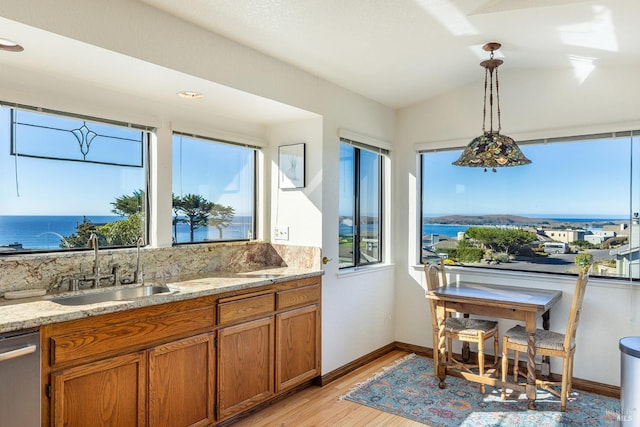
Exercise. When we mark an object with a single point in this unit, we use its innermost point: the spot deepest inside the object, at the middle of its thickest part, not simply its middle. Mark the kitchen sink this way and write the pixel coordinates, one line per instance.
(112, 294)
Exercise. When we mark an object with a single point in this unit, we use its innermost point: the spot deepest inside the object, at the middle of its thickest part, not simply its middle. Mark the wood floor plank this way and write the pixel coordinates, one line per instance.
(322, 407)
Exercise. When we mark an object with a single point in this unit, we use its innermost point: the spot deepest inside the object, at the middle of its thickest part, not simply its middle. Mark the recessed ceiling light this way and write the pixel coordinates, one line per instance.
(190, 95)
(10, 46)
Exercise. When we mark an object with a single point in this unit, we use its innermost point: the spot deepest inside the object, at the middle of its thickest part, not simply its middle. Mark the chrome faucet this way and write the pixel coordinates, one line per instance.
(93, 243)
(138, 275)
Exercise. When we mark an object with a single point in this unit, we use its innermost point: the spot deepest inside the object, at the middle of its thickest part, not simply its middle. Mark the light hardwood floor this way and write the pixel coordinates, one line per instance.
(320, 406)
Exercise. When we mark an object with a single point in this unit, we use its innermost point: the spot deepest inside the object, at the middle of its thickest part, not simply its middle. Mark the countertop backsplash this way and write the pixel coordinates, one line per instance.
(44, 271)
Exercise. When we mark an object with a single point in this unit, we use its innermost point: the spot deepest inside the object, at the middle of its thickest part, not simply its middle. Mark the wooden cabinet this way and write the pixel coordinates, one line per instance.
(187, 363)
(148, 366)
(245, 365)
(272, 344)
(181, 382)
(110, 392)
(297, 334)
(297, 346)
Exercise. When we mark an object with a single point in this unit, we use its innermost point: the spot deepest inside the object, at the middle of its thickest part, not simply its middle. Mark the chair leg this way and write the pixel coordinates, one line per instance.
(436, 353)
(450, 349)
(504, 368)
(516, 356)
(565, 383)
(481, 359)
(570, 383)
(496, 345)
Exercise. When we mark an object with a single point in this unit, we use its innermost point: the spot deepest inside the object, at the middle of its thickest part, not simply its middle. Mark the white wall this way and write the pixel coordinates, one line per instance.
(534, 104)
(298, 209)
(357, 309)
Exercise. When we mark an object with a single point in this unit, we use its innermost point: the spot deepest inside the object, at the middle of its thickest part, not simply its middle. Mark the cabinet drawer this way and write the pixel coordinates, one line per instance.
(112, 338)
(298, 296)
(245, 308)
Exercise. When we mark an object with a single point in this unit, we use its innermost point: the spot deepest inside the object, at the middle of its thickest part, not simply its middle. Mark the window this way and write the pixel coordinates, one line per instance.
(578, 198)
(360, 205)
(67, 176)
(213, 190)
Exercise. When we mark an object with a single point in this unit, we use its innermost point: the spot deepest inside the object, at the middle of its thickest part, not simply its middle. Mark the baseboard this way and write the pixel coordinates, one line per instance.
(578, 383)
(359, 362)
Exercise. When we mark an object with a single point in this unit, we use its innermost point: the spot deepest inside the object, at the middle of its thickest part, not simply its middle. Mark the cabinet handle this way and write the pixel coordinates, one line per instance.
(8, 355)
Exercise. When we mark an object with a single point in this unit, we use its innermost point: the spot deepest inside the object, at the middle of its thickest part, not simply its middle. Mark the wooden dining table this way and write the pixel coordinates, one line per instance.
(504, 302)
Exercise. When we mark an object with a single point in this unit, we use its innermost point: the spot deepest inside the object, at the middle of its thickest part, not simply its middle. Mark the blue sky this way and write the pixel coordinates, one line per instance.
(589, 178)
(220, 173)
(369, 182)
(586, 179)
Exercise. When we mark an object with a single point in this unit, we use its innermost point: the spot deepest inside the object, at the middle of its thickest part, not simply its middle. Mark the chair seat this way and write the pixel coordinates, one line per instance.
(467, 326)
(544, 339)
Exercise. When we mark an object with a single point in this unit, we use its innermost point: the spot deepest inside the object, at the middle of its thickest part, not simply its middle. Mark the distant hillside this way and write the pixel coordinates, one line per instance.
(488, 220)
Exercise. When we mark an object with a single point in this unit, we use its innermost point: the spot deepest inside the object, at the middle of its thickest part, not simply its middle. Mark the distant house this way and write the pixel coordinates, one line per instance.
(566, 236)
(619, 229)
(598, 236)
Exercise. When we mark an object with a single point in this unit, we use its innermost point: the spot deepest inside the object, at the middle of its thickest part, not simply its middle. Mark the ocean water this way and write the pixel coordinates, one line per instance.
(452, 230)
(46, 232)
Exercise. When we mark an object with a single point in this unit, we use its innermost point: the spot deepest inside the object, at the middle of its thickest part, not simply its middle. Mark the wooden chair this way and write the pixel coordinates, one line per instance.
(465, 329)
(549, 344)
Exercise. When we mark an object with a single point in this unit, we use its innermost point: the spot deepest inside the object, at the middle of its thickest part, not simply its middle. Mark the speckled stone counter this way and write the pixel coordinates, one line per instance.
(34, 312)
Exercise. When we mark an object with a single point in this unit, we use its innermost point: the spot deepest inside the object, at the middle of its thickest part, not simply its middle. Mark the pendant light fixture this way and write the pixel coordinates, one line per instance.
(491, 149)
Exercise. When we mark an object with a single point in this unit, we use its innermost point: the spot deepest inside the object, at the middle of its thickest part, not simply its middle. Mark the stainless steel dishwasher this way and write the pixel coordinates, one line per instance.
(20, 379)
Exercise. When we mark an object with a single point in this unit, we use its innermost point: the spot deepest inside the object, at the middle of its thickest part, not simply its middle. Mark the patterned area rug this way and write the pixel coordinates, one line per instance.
(409, 389)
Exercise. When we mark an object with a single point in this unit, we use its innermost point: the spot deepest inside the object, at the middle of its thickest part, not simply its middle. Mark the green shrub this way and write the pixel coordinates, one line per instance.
(452, 253)
(583, 258)
(501, 257)
(470, 254)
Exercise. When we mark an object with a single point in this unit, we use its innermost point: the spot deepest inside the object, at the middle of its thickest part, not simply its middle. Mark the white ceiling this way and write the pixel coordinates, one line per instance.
(397, 52)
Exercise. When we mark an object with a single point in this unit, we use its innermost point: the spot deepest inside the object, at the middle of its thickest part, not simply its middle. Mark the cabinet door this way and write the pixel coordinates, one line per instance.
(181, 383)
(245, 365)
(297, 346)
(106, 393)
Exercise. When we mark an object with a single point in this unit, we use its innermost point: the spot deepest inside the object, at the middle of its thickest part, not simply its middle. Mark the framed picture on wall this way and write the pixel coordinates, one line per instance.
(291, 165)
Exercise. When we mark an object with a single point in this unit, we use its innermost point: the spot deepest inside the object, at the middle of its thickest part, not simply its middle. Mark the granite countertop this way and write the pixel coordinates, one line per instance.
(34, 312)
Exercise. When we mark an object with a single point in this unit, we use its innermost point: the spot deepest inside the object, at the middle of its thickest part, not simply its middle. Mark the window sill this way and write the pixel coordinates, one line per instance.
(369, 269)
(493, 274)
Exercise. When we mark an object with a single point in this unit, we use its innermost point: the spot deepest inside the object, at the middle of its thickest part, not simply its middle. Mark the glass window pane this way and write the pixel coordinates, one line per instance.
(359, 206)
(66, 138)
(346, 206)
(369, 187)
(581, 193)
(53, 203)
(213, 191)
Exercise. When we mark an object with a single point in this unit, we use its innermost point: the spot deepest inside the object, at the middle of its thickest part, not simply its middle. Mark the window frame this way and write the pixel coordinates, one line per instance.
(145, 157)
(254, 182)
(631, 220)
(381, 155)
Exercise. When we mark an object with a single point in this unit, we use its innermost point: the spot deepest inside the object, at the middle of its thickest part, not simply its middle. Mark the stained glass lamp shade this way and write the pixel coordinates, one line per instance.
(491, 149)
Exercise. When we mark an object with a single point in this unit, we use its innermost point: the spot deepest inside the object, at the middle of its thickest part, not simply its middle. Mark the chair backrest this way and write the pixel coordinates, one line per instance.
(435, 274)
(576, 306)
(436, 277)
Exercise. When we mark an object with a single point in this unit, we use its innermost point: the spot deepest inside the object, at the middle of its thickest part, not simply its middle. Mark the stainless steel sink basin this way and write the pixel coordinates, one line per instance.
(112, 294)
